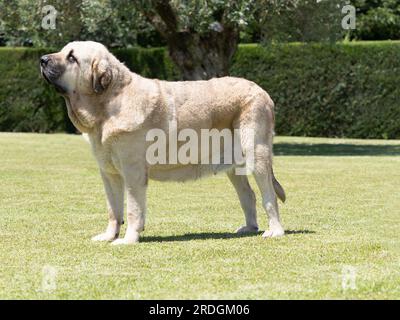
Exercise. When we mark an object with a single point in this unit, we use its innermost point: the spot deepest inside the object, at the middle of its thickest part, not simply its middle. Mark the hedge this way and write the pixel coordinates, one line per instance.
(343, 90)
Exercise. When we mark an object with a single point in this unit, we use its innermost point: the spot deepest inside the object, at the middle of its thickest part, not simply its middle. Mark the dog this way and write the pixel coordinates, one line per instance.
(116, 109)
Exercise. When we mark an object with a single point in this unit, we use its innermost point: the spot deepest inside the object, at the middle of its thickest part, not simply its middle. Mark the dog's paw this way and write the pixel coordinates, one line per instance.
(246, 229)
(274, 232)
(105, 237)
(127, 240)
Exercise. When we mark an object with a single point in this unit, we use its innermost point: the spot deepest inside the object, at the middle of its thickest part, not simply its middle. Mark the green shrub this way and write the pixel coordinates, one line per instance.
(377, 20)
(26, 102)
(345, 90)
(151, 63)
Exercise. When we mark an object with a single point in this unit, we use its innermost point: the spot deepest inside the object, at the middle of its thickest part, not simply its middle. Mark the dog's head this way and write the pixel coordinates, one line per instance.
(81, 67)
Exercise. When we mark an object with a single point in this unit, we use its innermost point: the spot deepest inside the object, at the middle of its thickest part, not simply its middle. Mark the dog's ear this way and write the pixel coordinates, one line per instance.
(101, 75)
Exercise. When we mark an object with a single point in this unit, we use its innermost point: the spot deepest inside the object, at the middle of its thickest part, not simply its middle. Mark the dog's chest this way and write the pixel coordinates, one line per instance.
(105, 158)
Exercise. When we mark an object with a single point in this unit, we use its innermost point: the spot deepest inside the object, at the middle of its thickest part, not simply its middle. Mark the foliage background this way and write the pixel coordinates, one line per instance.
(120, 23)
(377, 19)
(320, 89)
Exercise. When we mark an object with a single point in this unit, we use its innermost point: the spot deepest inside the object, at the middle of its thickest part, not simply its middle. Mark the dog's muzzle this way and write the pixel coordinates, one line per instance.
(51, 72)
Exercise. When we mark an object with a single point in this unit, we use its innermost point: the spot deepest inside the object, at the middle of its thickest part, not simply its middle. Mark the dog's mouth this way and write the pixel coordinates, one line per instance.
(45, 76)
(52, 79)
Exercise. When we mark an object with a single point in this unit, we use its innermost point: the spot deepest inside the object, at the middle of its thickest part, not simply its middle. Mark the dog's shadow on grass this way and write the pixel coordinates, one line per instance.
(334, 149)
(212, 235)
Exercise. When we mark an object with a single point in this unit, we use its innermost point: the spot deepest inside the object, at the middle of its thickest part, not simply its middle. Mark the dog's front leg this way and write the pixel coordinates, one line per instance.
(135, 177)
(114, 188)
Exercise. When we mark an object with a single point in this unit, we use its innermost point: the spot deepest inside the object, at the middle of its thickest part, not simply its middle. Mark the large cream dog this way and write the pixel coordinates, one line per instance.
(116, 108)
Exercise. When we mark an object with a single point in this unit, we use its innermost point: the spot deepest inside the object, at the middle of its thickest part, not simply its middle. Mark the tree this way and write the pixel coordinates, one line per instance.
(302, 20)
(201, 35)
(116, 23)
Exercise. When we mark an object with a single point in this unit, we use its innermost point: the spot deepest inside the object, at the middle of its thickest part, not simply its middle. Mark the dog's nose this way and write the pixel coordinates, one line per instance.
(44, 60)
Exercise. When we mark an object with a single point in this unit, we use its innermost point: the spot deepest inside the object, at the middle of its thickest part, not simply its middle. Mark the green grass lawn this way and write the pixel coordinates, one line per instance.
(342, 216)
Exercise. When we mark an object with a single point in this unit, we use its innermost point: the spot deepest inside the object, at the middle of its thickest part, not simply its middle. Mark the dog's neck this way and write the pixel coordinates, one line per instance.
(81, 113)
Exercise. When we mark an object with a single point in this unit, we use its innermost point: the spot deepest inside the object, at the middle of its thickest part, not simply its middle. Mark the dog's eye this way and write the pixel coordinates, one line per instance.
(71, 58)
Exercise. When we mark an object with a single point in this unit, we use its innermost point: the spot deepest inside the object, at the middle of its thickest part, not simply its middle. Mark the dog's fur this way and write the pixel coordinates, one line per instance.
(116, 107)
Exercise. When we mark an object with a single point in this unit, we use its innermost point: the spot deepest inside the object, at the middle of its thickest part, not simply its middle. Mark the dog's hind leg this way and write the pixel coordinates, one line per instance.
(247, 201)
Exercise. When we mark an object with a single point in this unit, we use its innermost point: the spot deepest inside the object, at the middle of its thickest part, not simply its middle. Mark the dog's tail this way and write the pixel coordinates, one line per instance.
(280, 192)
